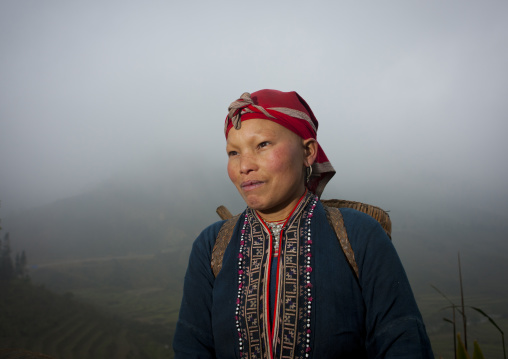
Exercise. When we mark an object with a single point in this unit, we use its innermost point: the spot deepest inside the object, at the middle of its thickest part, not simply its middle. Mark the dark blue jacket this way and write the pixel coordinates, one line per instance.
(375, 316)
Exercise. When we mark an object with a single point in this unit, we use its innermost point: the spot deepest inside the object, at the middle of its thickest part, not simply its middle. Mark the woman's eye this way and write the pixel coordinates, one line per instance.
(232, 153)
(263, 144)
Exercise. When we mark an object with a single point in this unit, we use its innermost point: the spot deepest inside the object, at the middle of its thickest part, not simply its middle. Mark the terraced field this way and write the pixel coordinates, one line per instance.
(128, 307)
(70, 329)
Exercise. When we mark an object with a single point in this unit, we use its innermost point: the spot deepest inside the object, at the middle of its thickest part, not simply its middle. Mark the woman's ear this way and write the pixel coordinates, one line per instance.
(310, 148)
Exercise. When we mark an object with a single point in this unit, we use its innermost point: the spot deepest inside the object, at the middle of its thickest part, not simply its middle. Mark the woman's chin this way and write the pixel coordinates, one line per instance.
(251, 200)
(256, 204)
(263, 208)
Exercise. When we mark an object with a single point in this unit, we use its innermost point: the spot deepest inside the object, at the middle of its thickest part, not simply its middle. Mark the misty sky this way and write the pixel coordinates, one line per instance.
(412, 96)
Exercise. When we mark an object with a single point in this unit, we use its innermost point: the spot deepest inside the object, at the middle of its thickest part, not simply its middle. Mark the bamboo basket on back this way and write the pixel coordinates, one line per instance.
(377, 213)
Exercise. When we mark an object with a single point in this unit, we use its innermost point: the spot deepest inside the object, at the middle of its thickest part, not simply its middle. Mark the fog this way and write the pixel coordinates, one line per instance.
(112, 112)
(411, 96)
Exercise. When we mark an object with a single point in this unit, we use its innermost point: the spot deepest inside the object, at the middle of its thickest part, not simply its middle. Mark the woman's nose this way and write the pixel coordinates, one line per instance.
(247, 164)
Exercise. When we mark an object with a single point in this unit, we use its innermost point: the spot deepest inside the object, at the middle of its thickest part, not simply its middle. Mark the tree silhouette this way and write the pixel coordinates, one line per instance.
(20, 265)
(8, 270)
(6, 266)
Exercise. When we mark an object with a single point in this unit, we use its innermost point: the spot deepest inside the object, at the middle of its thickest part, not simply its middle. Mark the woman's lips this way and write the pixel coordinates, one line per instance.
(250, 185)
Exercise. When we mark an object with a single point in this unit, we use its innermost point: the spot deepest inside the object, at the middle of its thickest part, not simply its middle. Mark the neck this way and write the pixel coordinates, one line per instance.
(268, 221)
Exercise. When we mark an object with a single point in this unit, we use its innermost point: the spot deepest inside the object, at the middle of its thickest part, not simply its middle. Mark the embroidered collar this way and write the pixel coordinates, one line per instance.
(289, 334)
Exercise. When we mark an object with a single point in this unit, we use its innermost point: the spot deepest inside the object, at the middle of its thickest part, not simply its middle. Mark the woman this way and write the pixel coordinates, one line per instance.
(285, 289)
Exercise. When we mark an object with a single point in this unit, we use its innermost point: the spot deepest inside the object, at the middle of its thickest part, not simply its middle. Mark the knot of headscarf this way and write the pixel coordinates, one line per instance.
(245, 104)
(241, 106)
(289, 110)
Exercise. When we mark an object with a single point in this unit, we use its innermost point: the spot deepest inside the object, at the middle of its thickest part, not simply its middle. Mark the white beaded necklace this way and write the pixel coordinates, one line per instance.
(276, 228)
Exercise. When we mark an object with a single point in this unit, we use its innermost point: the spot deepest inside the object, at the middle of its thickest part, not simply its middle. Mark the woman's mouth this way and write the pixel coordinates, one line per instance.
(250, 185)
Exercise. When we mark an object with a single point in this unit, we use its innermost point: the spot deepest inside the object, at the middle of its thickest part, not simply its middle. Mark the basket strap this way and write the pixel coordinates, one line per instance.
(332, 214)
(337, 222)
(221, 243)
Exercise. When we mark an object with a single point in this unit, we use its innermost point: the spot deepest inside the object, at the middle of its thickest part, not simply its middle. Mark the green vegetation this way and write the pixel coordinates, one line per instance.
(462, 351)
(36, 319)
(433, 308)
(124, 307)
(461, 347)
(144, 291)
(97, 250)
(8, 269)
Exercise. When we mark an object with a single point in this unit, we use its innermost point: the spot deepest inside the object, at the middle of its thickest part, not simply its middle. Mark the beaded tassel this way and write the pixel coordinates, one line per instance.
(240, 285)
(308, 271)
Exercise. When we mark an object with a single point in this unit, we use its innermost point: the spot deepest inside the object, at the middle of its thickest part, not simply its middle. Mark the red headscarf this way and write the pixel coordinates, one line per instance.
(287, 109)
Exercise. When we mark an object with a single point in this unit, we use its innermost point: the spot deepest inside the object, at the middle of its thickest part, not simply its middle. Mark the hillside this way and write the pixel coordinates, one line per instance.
(35, 319)
(123, 246)
(140, 213)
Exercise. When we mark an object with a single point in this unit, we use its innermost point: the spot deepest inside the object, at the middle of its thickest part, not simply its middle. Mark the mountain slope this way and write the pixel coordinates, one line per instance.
(35, 319)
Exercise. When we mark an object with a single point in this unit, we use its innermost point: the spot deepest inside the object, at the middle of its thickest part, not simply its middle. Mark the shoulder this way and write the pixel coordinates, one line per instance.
(368, 239)
(212, 230)
(201, 253)
(209, 235)
(363, 231)
(358, 221)
(354, 220)
(206, 239)
(361, 226)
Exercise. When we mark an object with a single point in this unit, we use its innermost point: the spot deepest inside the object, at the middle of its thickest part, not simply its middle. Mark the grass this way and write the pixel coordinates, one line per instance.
(36, 319)
(145, 292)
(148, 305)
(434, 308)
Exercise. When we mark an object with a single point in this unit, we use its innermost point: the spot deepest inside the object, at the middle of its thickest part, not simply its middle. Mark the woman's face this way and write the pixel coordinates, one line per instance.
(266, 164)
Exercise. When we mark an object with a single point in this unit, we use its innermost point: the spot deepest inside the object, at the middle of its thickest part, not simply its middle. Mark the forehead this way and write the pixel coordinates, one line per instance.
(259, 127)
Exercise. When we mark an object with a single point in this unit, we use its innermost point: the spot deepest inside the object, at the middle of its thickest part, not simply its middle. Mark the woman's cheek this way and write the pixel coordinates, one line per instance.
(231, 172)
(276, 159)
(279, 161)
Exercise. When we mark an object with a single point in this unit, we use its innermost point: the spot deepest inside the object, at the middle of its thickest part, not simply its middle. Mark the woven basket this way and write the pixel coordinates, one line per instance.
(375, 212)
